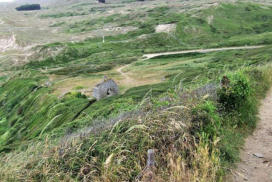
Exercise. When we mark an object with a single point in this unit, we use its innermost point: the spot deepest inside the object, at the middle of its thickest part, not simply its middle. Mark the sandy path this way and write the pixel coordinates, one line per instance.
(127, 80)
(256, 156)
(149, 56)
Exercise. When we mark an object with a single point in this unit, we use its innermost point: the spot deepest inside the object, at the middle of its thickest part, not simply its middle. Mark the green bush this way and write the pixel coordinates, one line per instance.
(76, 95)
(206, 119)
(236, 92)
(29, 7)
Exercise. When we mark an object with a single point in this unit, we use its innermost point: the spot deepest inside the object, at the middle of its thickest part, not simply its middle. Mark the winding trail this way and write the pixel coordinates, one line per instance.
(127, 79)
(256, 156)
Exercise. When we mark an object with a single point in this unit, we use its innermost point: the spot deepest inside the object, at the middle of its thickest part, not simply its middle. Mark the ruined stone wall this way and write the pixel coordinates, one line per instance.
(105, 89)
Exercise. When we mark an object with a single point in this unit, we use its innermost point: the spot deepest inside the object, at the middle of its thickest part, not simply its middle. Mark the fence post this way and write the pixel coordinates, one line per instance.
(148, 175)
(150, 158)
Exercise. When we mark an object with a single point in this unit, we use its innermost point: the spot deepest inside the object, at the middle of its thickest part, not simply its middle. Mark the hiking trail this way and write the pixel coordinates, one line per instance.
(256, 155)
(153, 55)
(127, 79)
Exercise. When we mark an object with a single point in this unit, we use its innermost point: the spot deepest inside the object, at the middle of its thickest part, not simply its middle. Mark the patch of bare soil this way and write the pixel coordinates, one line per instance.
(210, 19)
(130, 79)
(165, 28)
(126, 78)
(8, 44)
(256, 155)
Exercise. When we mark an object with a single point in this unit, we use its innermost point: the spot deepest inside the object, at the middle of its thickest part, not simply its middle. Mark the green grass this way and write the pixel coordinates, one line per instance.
(212, 137)
(228, 20)
(196, 69)
(60, 15)
(29, 109)
(80, 10)
(199, 68)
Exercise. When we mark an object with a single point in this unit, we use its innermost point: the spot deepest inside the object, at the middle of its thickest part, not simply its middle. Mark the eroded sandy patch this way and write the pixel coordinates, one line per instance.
(165, 28)
(210, 19)
(8, 44)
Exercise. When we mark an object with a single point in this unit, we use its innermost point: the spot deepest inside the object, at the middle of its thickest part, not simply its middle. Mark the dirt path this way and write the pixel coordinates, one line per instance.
(126, 78)
(149, 56)
(256, 156)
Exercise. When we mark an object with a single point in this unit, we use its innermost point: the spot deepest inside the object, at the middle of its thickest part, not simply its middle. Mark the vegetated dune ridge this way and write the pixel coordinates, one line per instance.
(194, 108)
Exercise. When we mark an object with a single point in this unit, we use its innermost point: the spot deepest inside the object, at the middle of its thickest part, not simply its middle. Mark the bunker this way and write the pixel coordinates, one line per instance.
(106, 88)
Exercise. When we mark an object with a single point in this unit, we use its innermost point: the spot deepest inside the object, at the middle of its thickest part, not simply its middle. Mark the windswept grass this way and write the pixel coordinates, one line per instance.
(192, 141)
(195, 124)
(193, 70)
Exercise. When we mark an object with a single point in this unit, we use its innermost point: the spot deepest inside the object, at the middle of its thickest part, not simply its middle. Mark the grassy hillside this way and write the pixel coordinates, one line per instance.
(53, 113)
(197, 138)
(175, 104)
(226, 25)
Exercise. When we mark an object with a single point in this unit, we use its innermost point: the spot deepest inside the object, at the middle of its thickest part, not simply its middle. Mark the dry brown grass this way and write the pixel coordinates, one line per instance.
(179, 157)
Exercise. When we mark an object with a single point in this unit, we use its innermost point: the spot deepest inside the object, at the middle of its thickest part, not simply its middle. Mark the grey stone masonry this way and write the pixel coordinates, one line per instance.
(106, 88)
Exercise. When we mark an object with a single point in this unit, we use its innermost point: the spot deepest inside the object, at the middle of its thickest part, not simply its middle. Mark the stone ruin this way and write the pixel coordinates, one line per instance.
(106, 88)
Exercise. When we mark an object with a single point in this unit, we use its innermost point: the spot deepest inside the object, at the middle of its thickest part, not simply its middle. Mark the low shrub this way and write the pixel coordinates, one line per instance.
(235, 91)
(29, 7)
(206, 119)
